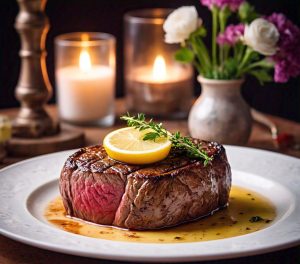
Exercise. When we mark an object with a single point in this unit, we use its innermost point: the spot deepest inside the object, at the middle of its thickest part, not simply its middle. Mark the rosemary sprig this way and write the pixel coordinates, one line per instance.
(157, 131)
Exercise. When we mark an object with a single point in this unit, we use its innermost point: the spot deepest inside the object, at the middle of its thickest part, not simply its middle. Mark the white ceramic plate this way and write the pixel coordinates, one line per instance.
(27, 187)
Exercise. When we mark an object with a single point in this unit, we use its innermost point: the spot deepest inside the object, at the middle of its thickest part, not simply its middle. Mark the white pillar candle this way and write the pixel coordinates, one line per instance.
(85, 91)
(85, 96)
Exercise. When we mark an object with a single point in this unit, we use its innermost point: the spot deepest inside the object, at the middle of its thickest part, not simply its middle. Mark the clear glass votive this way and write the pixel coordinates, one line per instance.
(85, 77)
(155, 83)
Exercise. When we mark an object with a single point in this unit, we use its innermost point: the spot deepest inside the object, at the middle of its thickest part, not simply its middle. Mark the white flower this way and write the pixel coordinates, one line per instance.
(262, 36)
(180, 24)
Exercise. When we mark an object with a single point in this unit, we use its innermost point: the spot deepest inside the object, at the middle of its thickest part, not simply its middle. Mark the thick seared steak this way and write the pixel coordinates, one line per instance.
(178, 189)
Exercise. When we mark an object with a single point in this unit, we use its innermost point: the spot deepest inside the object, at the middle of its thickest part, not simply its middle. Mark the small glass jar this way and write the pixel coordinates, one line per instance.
(85, 77)
(155, 83)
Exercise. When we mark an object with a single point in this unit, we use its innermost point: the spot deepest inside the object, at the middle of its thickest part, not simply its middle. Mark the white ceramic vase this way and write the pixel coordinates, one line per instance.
(220, 113)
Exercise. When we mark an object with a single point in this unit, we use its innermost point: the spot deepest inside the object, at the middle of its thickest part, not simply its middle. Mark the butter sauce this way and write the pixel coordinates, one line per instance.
(232, 221)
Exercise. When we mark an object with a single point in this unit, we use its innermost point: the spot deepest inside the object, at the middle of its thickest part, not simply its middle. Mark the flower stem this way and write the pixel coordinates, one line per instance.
(198, 61)
(198, 67)
(204, 53)
(222, 21)
(203, 63)
(244, 61)
(226, 52)
(214, 35)
(262, 63)
(241, 52)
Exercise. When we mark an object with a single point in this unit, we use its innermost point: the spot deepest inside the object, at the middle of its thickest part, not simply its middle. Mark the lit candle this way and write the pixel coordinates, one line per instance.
(155, 83)
(160, 73)
(158, 89)
(85, 90)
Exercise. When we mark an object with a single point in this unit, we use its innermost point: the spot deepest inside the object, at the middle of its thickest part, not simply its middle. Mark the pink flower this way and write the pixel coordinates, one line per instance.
(232, 4)
(231, 35)
(287, 59)
(281, 71)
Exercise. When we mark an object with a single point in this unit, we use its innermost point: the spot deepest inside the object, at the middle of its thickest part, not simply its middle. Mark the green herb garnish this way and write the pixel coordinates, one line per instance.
(158, 131)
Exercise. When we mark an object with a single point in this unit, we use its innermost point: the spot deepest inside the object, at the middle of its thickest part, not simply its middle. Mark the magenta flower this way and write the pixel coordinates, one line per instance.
(232, 4)
(287, 59)
(231, 35)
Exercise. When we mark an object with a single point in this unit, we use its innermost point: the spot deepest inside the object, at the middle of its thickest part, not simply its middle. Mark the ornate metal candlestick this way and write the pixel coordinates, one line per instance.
(34, 131)
(33, 89)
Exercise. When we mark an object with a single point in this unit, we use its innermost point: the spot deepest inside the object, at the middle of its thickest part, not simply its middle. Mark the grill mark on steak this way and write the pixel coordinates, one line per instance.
(152, 196)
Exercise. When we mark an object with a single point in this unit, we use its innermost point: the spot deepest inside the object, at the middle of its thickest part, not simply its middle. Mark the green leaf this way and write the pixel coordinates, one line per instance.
(261, 75)
(184, 55)
(200, 31)
(254, 56)
(266, 64)
(247, 13)
(151, 136)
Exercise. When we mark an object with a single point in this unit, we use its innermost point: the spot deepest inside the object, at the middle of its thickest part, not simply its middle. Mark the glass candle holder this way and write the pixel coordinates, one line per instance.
(155, 83)
(85, 77)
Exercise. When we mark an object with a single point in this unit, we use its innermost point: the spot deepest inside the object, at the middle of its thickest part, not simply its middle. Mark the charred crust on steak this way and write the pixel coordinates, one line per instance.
(95, 159)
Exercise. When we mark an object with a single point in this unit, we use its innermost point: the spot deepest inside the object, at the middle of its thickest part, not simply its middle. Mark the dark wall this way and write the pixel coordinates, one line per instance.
(106, 16)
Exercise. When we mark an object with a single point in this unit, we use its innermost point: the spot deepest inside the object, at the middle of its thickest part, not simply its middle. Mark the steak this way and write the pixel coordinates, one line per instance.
(177, 189)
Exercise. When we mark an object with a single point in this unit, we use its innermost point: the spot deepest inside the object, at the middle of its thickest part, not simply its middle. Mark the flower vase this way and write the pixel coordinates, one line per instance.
(220, 113)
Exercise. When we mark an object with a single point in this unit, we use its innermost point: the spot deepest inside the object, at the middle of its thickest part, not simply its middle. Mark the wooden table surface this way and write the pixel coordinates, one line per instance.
(12, 252)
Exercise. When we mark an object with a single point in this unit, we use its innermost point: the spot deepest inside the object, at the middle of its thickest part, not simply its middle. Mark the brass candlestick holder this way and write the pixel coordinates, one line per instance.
(34, 131)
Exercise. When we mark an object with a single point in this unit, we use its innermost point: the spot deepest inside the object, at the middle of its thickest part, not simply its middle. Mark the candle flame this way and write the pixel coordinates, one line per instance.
(159, 71)
(85, 64)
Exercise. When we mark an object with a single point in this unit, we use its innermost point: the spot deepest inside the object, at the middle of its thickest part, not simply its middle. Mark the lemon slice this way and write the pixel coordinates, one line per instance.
(127, 145)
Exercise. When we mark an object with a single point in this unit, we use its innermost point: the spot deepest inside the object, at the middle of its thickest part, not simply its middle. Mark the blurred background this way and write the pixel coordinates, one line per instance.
(107, 16)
